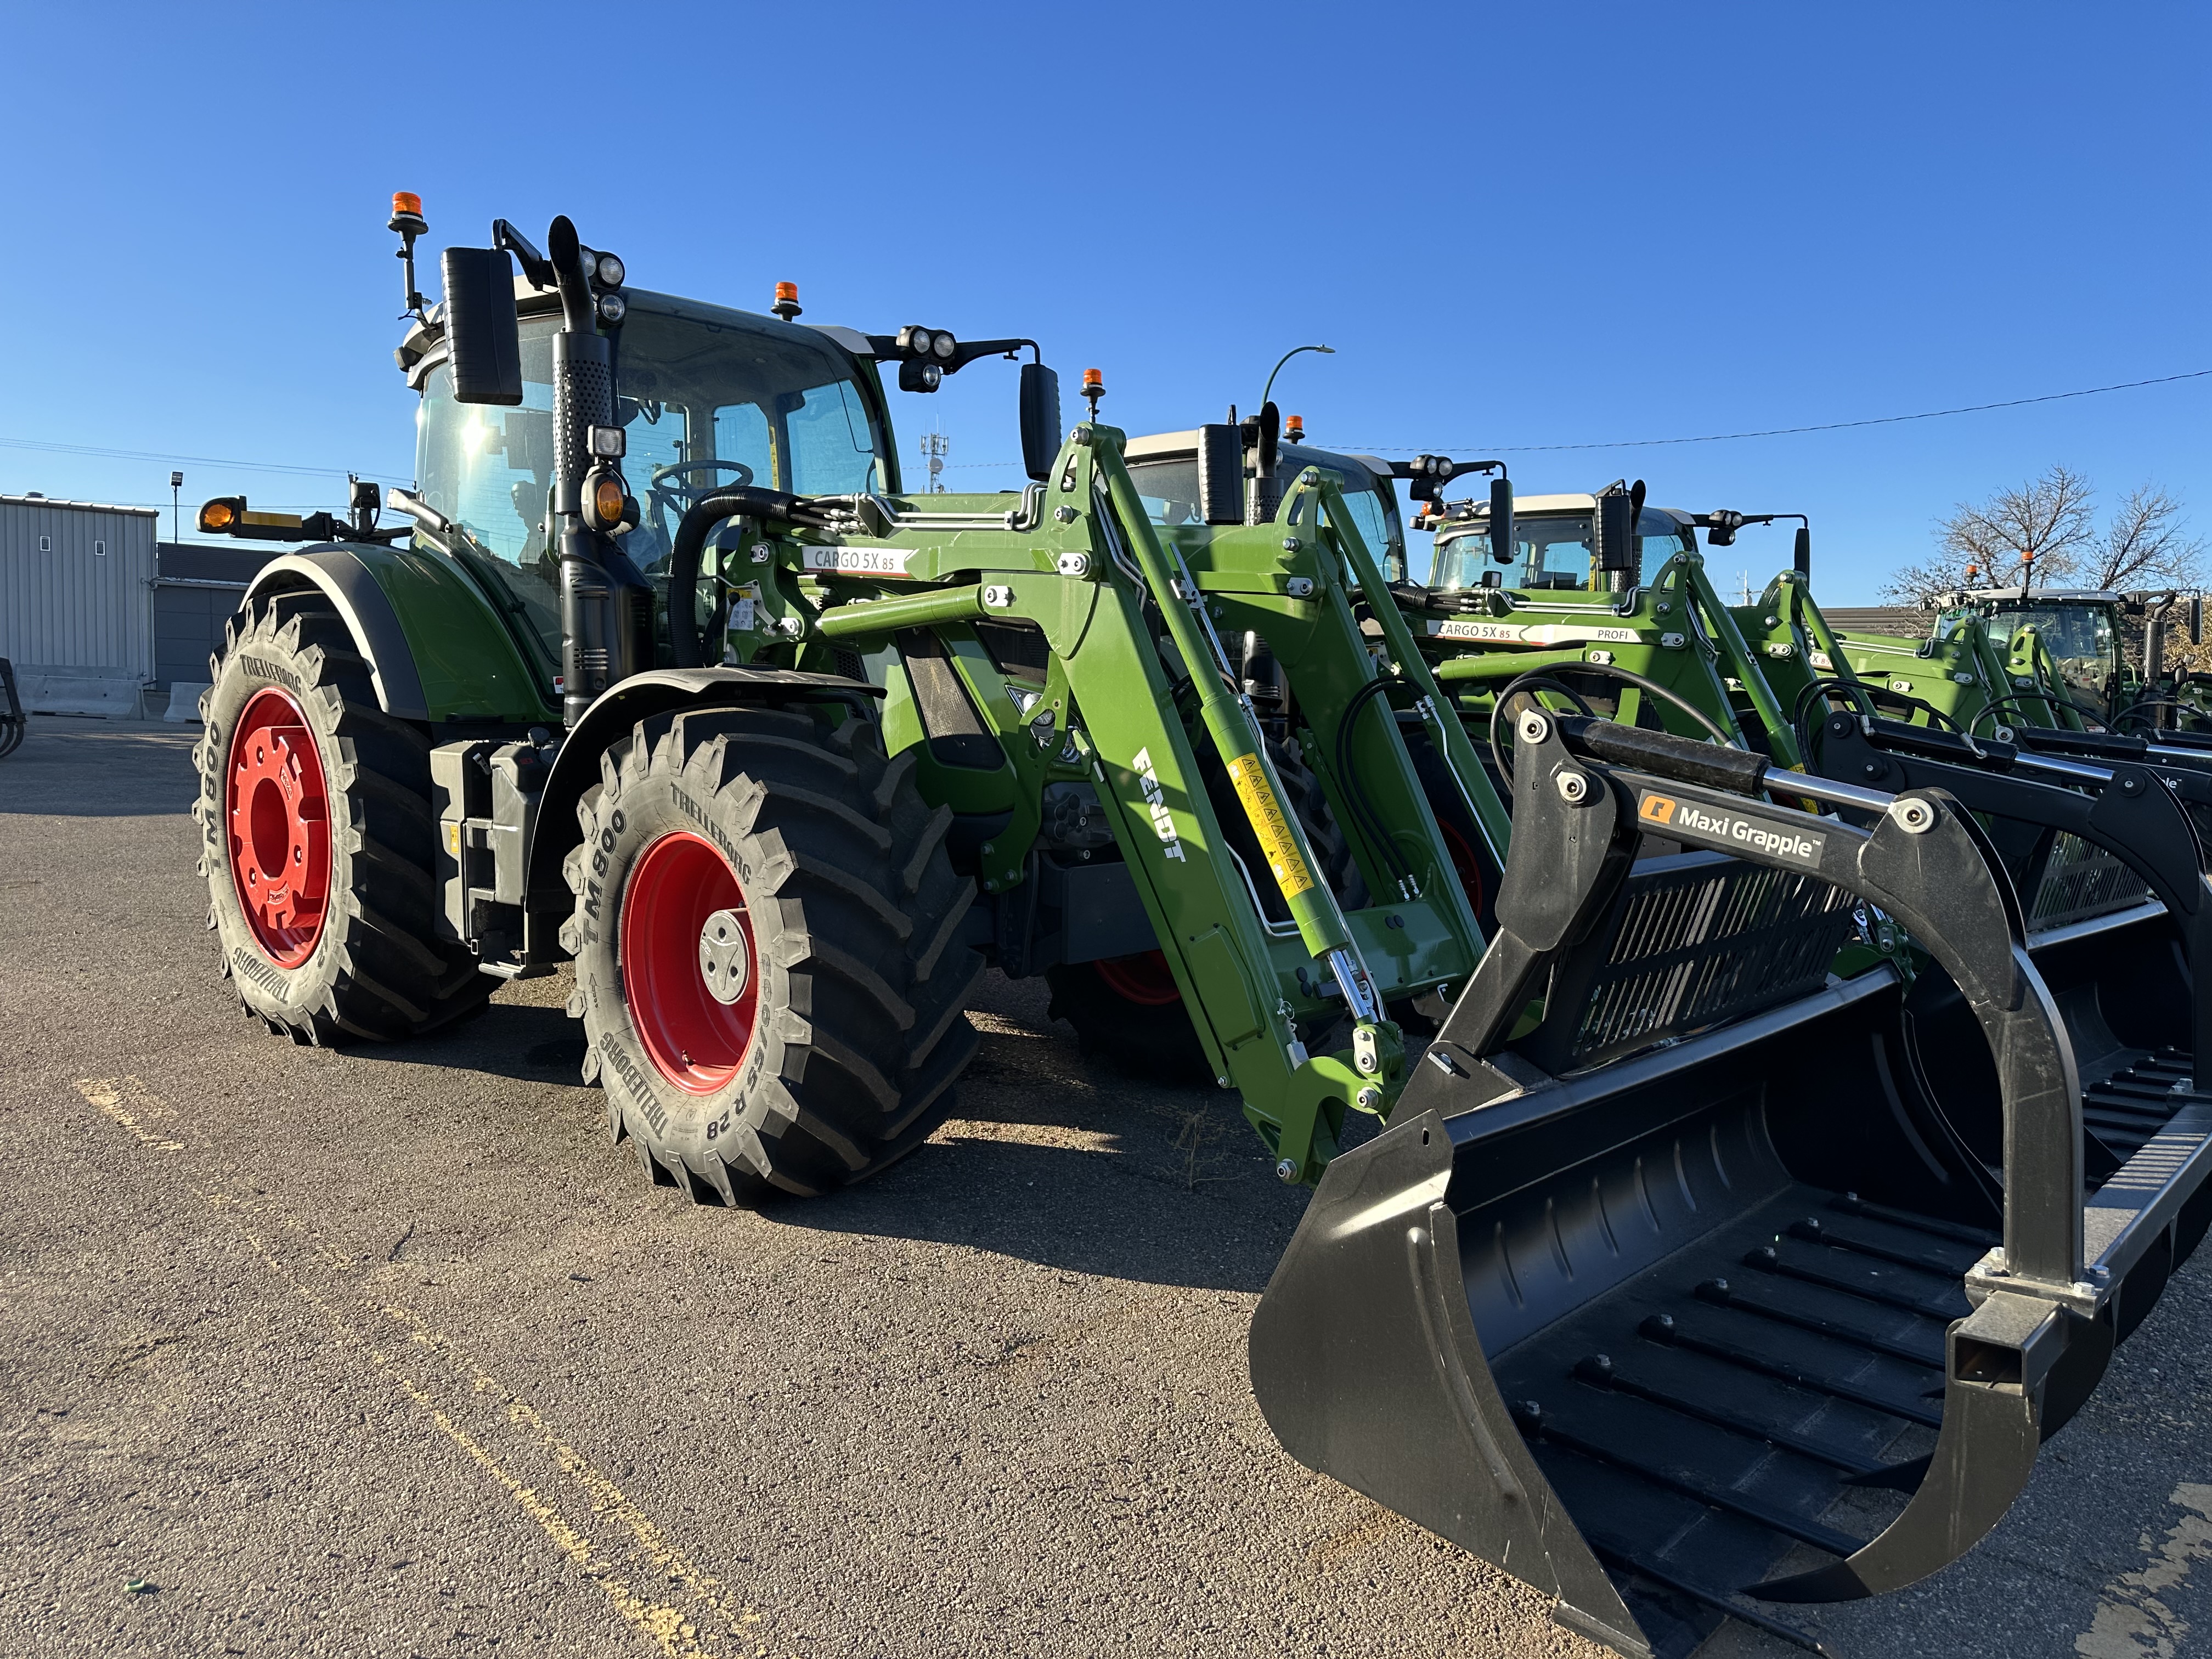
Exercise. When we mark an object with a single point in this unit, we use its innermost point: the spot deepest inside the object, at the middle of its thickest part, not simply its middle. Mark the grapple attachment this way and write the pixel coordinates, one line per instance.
(1688, 1295)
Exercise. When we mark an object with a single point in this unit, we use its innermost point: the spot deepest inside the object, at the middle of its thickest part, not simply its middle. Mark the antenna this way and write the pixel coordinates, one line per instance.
(934, 448)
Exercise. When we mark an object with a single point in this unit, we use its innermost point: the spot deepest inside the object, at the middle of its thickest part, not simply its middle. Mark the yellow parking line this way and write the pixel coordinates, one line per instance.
(677, 1637)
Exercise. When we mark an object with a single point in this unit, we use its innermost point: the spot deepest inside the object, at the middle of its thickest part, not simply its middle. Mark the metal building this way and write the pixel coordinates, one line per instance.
(197, 590)
(76, 603)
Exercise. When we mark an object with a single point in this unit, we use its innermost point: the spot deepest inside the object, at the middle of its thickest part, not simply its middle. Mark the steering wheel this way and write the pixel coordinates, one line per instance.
(673, 479)
(673, 496)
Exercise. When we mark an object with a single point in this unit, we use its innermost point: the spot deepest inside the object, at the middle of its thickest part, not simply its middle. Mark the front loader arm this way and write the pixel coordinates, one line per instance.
(1315, 500)
(1132, 639)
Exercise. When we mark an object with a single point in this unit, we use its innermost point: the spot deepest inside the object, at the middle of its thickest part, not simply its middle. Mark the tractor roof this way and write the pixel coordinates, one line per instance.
(1535, 507)
(2067, 595)
(1176, 445)
(423, 348)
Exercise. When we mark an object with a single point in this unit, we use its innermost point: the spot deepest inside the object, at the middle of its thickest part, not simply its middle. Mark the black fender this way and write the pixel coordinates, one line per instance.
(345, 579)
(576, 767)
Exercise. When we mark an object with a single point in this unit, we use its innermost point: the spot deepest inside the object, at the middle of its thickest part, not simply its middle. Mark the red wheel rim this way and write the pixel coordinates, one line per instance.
(1145, 979)
(687, 940)
(278, 808)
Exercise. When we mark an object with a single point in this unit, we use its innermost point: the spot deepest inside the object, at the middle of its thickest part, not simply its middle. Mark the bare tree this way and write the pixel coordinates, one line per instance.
(2046, 520)
(2046, 517)
(2046, 527)
(2145, 545)
(1926, 585)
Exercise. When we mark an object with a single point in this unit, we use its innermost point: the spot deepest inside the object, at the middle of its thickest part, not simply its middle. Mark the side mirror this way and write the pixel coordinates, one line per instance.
(483, 338)
(1040, 419)
(1503, 547)
(1801, 552)
(1614, 530)
(1221, 474)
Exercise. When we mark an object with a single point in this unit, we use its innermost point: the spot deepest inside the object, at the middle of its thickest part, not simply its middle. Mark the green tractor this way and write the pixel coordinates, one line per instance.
(2069, 641)
(664, 675)
(781, 756)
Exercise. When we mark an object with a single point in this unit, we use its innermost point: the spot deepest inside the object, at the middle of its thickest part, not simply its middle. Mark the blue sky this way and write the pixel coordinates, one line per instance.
(1541, 224)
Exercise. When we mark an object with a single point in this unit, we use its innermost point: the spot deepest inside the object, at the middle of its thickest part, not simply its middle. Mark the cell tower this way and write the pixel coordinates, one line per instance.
(934, 447)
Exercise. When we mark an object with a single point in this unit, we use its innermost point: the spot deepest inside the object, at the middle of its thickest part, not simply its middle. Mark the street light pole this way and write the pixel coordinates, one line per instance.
(176, 505)
(1326, 351)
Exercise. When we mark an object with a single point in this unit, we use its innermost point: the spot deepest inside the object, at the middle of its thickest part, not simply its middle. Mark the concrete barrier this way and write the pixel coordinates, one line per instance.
(185, 701)
(77, 691)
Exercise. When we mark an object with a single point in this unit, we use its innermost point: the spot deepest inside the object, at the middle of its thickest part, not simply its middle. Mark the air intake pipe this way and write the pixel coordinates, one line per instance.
(606, 604)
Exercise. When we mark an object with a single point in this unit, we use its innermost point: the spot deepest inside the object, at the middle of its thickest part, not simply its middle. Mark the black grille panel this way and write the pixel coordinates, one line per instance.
(1701, 941)
(2081, 881)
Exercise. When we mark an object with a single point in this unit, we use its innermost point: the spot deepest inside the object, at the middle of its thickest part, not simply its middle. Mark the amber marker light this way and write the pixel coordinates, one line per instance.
(221, 514)
(607, 500)
(787, 300)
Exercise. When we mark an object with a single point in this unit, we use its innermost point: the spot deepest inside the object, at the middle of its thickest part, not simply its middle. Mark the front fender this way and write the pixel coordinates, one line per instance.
(436, 649)
(641, 697)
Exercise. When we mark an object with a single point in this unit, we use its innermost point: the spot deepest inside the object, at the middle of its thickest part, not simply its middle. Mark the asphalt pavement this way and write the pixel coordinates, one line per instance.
(385, 1352)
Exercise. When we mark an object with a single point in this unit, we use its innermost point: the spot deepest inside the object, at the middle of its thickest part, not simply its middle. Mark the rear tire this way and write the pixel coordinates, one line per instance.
(296, 757)
(769, 965)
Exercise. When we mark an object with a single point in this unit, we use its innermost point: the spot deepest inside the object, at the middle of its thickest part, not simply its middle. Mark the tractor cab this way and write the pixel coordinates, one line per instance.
(2078, 627)
(1165, 468)
(709, 397)
(1553, 544)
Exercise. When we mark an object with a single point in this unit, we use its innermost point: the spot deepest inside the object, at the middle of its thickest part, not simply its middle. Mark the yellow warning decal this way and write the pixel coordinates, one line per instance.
(1276, 840)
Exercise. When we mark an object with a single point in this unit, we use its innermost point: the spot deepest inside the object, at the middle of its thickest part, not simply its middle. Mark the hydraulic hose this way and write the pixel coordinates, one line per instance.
(1371, 820)
(1872, 698)
(2135, 709)
(2058, 697)
(684, 642)
(1498, 708)
(1605, 671)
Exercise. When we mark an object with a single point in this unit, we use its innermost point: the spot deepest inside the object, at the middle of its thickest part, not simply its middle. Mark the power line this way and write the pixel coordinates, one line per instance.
(1792, 431)
(152, 455)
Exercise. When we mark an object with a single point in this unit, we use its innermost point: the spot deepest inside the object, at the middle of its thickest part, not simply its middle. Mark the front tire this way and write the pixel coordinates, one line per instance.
(769, 962)
(318, 838)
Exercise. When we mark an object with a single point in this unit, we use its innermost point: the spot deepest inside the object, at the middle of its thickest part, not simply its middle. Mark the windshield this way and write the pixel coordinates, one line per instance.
(2079, 636)
(765, 403)
(1553, 550)
(1169, 489)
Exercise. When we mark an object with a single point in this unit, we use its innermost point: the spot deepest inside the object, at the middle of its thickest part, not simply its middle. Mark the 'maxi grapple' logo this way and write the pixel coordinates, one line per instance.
(1692, 821)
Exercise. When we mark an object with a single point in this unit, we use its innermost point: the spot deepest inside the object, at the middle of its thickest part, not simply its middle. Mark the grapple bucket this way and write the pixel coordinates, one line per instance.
(1694, 1296)
(2108, 856)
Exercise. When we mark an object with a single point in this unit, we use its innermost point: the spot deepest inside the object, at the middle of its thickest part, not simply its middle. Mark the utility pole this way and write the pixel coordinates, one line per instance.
(176, 505)
(934, 448)
(1743, 581)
